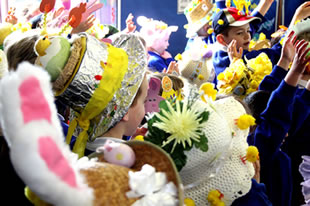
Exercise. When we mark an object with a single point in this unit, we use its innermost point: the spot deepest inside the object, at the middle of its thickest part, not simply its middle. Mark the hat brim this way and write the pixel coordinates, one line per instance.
(148, 153)
(241, 23)
(193, 28)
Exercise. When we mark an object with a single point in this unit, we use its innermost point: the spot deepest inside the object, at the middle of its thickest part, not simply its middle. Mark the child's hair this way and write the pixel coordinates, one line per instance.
(20, 50)
(178, 83)
(257, 103)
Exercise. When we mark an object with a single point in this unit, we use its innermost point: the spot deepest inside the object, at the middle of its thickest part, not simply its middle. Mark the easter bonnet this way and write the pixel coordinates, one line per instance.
(133, 173)
(84, 76)
(207, 142)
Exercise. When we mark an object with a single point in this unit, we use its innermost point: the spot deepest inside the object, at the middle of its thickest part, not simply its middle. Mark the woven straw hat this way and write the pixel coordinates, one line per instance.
(198, 13)
(110, 182)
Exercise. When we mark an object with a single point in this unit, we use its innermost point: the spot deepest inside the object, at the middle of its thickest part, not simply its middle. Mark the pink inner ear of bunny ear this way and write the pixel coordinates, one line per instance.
(34, 106)
(155, 84)
(52, 156)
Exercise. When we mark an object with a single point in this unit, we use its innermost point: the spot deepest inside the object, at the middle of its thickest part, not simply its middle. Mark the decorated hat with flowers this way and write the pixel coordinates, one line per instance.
(195, 64)
(97, 80)
(207, 142)
(242, 79)
(132, 173)
(198, 13)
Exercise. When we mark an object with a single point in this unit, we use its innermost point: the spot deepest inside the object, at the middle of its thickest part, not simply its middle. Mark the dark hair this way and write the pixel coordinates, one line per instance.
(225, 31)
(257, 103)
(22, 50)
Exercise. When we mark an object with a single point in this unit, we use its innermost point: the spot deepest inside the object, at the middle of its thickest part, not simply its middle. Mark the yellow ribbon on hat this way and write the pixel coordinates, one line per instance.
(112, 77)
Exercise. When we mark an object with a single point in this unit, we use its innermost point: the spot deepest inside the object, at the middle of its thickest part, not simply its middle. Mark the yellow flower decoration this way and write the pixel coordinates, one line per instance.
(214, 198)
(217, 10)
(189, 202)
(208, 89)
(210, 31)
(139, 137)
(208, 17)
(252, 154)
(245, 121)
(210, 23)
(178, 57)
(220, 22)
(201, 77)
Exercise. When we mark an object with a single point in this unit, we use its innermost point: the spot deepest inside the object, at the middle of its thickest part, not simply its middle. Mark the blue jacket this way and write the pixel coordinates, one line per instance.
(268, 138)
(297, 143)
(156, 63)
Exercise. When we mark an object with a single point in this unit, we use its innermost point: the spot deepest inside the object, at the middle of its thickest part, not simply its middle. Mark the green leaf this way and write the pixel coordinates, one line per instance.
(205, 116)
(202, 144)
(163, 105)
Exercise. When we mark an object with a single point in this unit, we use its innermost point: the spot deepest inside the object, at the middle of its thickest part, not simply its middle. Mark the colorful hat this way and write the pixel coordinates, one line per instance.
(242, 79)
(152, 30)
(209, 149)
(198, 13)
(27, 107)
(230, 17)
(93, 73)
(196, 63)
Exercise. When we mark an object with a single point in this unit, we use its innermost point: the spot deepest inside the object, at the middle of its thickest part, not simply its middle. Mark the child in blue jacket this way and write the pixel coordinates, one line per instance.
(233, 35)
(276, 121)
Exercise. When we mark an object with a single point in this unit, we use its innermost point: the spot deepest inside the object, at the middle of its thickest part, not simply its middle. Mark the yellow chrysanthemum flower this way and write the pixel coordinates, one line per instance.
(245, 121)
(182, 124)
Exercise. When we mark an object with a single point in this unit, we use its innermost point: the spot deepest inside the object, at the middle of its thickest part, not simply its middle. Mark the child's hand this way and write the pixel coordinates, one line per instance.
(130, 25)
(302, 12)
(299, 63)
(288, 51)
(85, 25)
(232, 51)
(173, 68)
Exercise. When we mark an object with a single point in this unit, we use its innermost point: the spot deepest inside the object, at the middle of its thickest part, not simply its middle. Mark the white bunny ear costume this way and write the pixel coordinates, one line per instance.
(33, 132)
(47, 166)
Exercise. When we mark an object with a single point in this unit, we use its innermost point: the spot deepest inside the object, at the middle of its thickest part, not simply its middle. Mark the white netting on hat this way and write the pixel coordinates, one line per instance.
(231, 176)
(233, 179)
(232, 110)
(200, 165)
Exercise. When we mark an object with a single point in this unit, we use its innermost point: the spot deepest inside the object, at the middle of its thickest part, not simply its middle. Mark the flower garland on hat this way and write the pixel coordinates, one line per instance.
(242, 79)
